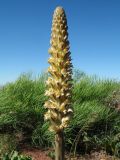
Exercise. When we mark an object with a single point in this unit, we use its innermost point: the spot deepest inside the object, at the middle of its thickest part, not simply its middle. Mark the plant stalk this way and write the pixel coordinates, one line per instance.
(59, 146)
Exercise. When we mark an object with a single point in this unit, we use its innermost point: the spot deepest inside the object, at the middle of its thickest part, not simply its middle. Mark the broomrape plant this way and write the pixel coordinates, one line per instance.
(60, 81)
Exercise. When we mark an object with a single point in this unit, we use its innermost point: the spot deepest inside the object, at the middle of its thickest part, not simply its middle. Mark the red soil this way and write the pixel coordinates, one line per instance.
(37, 154)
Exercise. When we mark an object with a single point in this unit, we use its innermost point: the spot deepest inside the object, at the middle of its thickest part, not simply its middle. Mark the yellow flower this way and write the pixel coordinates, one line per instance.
(60, 69)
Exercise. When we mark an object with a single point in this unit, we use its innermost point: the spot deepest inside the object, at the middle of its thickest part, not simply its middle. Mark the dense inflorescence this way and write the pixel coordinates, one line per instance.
(60, 80)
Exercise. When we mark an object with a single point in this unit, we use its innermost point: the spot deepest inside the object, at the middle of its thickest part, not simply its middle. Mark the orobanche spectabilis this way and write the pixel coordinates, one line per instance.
(59, 82)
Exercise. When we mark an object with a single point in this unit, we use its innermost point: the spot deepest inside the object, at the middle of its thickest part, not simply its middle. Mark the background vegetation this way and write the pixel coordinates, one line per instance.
(94, 126)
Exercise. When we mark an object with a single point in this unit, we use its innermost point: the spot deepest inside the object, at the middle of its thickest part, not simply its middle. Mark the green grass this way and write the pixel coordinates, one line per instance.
(94, 125)
(21, 103)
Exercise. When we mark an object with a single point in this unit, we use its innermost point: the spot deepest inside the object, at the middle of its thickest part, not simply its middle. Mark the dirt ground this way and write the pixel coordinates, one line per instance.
(38, 154)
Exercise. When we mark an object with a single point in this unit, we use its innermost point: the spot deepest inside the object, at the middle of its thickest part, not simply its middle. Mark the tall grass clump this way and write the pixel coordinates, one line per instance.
(95, 125)
(21, 105)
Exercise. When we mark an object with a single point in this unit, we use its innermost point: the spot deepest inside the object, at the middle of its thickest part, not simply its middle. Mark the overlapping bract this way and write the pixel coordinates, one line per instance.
(60, 81)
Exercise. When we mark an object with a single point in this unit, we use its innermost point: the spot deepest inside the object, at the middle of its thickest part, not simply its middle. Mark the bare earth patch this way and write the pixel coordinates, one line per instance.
(38, 154)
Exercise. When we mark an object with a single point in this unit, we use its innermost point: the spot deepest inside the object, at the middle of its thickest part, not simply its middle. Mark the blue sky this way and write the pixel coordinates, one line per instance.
(94, 35)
